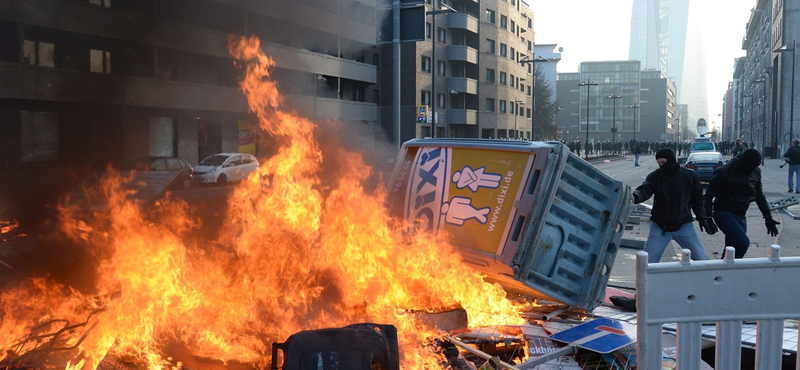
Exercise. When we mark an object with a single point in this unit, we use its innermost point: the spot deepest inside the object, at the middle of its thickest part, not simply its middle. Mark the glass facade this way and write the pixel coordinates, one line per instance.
(666, 36)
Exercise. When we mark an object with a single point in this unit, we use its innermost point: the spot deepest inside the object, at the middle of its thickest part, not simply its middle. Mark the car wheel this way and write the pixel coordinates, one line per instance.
(186, 182)
(222, 179)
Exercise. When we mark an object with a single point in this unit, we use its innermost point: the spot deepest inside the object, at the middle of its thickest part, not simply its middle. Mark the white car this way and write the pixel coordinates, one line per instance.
(225, 167)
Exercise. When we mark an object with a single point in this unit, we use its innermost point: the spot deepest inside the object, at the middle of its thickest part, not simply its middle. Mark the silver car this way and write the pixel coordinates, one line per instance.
(225, 167)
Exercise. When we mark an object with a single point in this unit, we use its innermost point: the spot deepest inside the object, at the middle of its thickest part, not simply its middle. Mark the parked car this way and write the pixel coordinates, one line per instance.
(225, 167)
(704, 163)
(151, 163)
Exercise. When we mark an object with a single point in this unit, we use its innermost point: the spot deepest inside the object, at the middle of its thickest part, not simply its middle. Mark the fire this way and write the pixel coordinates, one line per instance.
(304, 246)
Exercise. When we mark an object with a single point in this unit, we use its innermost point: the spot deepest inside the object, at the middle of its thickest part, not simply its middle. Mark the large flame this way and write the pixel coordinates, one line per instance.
(299, 250)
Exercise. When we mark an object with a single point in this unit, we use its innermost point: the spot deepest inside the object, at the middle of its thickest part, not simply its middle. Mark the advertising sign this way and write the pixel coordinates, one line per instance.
(468, 194)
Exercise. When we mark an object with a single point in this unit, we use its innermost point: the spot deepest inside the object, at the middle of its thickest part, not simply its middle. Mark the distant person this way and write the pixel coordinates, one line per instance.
(637, 151)
(738, 148)
(734, 186)
(793, 159)
(677, 193)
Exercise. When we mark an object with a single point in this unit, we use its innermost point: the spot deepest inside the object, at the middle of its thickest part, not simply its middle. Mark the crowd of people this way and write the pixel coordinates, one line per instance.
(681, 148)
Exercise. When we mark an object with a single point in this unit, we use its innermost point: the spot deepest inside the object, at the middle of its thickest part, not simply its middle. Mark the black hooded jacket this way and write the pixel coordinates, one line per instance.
(675, 197)
(732, 190)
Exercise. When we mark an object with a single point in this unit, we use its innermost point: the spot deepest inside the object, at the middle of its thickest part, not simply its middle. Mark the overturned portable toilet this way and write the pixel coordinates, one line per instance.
(533, 216)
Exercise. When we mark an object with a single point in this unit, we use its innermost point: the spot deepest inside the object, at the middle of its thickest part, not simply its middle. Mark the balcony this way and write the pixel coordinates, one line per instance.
(462, 53)
(463, 85)
(463, 21)
(462, 117)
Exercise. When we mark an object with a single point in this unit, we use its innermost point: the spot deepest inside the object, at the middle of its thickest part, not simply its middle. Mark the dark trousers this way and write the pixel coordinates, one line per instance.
(735, 230)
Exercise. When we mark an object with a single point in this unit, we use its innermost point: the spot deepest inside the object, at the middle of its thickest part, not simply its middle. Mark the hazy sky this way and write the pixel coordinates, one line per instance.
(594, 30)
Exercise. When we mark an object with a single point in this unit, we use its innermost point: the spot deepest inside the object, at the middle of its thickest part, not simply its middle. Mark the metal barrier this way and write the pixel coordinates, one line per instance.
(691, 293)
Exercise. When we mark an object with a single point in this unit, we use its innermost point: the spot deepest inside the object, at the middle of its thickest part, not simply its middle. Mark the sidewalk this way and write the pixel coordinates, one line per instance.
(775, 186)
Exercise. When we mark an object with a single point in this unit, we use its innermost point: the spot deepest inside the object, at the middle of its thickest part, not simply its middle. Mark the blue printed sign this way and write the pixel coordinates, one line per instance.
(602, 335)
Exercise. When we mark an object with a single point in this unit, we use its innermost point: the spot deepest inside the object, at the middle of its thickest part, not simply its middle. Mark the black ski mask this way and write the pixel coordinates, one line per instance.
(671, 166)
(749, 161)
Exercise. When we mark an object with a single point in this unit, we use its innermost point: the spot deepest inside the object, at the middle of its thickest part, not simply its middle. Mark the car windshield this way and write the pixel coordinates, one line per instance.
(703, 146)
(705, 158)
(214, 160)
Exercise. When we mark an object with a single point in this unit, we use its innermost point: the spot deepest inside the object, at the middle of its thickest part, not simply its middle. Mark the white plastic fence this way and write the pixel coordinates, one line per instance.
(691, 293)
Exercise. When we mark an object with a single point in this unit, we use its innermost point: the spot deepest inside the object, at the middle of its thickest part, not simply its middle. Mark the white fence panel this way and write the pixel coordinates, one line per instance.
(726, 292)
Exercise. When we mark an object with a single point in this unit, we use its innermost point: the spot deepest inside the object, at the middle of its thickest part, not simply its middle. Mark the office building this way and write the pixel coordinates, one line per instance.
(666, 36)
(97, 82)
(645, 107)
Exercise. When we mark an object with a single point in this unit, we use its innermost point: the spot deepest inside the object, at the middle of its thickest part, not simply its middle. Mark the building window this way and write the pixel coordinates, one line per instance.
(512, 106)
(426, 64)
(528, 112)
(426, 97)
(441, 66)
(489, 105)
(162, 136)
(503, 78)
(490, 46)
(490, 16)
(358, 94)
(99, 61)
(512, 53)
(428, 31)
(513, 27)
(441, 35)
(440, 101)
(39, 136)
(38, 53)
(529, 90)
(503, 21)
(513, 2)
(503, 50)
(512, 80)
(502, 106)
(490, 75)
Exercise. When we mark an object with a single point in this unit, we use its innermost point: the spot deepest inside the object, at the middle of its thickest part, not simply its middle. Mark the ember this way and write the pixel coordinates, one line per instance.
(299, 250)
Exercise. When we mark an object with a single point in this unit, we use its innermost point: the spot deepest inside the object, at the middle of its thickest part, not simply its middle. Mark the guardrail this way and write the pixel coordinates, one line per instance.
(692, 293)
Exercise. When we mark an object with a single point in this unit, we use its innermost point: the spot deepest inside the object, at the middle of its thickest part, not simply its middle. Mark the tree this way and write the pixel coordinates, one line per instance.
(544, 108)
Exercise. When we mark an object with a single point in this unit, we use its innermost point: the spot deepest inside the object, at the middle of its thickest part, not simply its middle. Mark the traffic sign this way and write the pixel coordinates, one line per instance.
(602, 335)
(422, 111)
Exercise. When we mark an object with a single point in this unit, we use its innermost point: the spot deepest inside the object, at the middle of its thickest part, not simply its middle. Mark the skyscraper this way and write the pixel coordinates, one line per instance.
(665, 35)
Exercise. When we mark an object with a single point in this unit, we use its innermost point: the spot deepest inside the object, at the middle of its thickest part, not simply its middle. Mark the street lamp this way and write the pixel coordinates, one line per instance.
(587, 83)
(635, 113)
(533, 89)
(791, 104)
(558, 108)
(763, 101)
(434, 35)
(614, 122)
(517, 103)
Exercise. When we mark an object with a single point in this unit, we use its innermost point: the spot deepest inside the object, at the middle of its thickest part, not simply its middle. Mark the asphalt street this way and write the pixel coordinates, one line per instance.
(775, 185)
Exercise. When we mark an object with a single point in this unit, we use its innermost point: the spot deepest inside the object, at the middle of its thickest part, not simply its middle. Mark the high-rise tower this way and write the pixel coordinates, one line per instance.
(665, 35)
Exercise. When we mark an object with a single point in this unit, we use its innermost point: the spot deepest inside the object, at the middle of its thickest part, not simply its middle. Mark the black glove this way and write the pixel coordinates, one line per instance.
(636, 199)
(708, 225)
(772, 226)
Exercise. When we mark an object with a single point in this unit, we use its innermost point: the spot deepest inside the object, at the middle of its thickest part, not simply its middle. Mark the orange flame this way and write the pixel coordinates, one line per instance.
(304, 246)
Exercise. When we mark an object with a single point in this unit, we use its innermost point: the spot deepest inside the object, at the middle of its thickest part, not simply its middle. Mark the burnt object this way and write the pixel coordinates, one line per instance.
(358, 346)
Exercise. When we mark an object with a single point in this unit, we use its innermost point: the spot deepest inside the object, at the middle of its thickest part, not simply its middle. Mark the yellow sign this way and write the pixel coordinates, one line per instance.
(467, 193)
(422, 111)
(247, 138)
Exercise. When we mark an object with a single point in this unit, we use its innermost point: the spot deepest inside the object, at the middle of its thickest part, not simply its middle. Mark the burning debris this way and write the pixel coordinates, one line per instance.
(304, 247)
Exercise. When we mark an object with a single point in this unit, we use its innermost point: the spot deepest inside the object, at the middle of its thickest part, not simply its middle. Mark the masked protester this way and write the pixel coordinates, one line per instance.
(677, 192)
(731, 190)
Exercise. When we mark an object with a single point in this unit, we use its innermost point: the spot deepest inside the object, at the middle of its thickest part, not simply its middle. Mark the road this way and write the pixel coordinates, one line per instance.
(774, 180)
